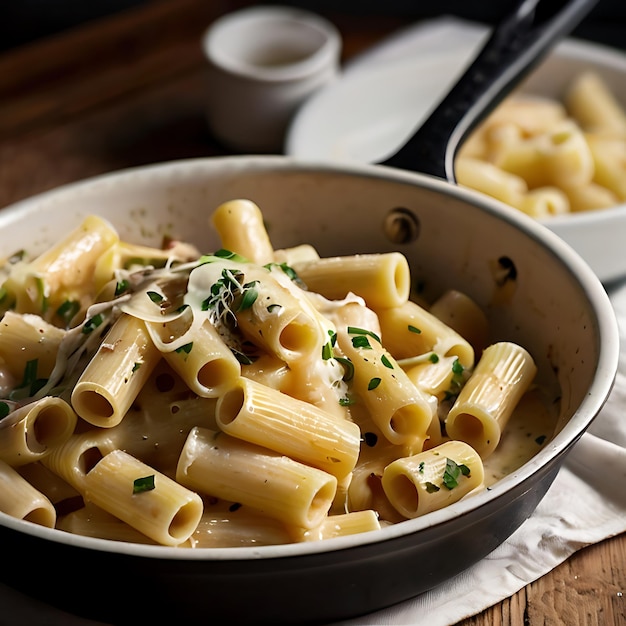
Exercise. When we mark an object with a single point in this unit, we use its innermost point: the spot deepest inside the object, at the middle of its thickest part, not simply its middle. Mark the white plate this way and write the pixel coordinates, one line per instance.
(386, 93)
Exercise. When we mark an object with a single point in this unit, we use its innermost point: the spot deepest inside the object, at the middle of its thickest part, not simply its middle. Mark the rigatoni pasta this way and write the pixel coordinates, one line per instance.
(249, 396)
(548, 157)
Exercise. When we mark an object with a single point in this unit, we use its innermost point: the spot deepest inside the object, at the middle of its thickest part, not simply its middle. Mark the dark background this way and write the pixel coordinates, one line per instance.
(22, 21)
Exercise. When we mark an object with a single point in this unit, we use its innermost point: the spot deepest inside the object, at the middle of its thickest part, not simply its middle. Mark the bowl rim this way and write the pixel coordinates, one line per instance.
(597, 394)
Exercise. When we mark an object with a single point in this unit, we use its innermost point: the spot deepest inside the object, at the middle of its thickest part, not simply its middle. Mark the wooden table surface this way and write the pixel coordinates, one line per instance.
(129, 90)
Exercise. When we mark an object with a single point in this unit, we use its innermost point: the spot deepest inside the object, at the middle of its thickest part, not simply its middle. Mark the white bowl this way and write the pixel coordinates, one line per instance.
(558, 310)
(369, 114)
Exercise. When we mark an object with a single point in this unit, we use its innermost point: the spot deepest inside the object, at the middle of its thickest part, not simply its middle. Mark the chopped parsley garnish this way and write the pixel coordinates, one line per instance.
(145, 483)
(361, 341)
(431, 487)
(386, 362)
(420, 467)
(373, 383)
(452, 473)
(231, 256)
(348, 366)
(185, 349)
(68, 310)
(327, 351)
(346, 401)
(434, 357)
(155, 296)
(91, 324)
(414, 329)
(30, 384)
(121, 287)
(354, 330)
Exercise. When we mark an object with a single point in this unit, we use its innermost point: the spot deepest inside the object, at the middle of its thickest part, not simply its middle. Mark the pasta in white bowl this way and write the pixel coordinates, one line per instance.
(233, 432)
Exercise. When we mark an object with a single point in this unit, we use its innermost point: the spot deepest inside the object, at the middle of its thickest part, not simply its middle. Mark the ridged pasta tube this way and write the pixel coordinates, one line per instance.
(410, 330)
(199, 356)
(30, 432)
(434, 479)
(382, 280)
(117, 372)
(168, 513)
(398, 408)
(264, 416)
(18, 498)
(225, 467)
(484, 405)
(239, 224)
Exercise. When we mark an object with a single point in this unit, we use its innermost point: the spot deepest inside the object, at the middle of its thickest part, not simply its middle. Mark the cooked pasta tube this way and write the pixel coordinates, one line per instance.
(296, 254)
(165, 511)
(463, 314)
(382, 280)
(544, 202)
(229, 525)
(344, 524)
(28, 339)
(264, 303)
(30, 432)
(492, 180)
(50, 484)
(77, 456)
(434, 479)
(484, 405)
(239, 224)
(560, 157)
(264, 416)
(591, 102)
(65, 273)
(115, 375)
(18, 498)
(199, 356)
(92, 521)
(410, 330)
(590, 197)
(225, 467)
(398, 408)
(610, 163)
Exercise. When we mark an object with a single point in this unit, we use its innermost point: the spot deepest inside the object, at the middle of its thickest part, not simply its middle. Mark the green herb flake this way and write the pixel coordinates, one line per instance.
(248, 297)
(30, 384)
(346, 401)
(348, 367)
(121, 287)
(452, 472)
(414, 329)
(327, 351)
(145, 483)
(434, 357)
(274, 307)
(156, 297)
(361, 341)
(91, 324)
(355, 330)
(136, 366)
(68, 310)
(431, 487)
(232, 256)
(373, 383)
(386, 362)
(420, 467)
(185, 349)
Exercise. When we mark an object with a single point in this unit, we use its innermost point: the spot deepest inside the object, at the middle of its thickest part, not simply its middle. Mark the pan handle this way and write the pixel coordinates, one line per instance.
(517, 44)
